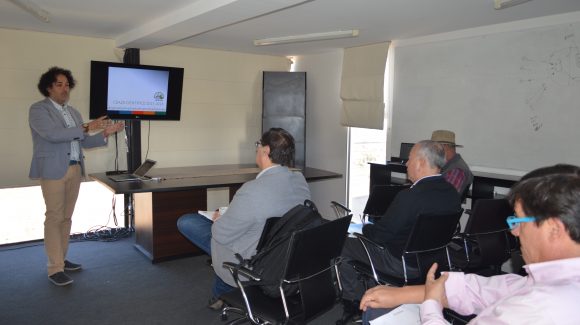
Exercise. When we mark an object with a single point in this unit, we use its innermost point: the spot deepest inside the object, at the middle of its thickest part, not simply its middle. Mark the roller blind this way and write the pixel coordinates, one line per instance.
(361, 91)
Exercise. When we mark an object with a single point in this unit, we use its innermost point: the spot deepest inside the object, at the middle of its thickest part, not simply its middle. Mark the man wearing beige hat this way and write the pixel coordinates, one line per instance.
(455, 170)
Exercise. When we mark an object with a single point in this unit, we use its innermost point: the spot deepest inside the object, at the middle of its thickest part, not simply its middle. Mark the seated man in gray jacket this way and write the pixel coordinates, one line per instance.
(275, 190)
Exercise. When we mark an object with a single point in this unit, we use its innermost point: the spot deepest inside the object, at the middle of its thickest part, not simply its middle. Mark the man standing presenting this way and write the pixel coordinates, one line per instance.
(455, 169)
(58, 136)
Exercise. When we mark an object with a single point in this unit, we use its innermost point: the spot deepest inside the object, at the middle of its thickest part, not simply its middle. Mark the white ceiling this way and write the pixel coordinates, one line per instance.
(233, 24)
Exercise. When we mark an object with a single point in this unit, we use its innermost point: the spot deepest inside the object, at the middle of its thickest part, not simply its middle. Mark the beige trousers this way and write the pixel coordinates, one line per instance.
(60, 197)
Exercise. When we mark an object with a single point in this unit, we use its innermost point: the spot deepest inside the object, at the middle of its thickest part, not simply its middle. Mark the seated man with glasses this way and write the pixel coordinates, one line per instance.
(547, 223)
(275, 190)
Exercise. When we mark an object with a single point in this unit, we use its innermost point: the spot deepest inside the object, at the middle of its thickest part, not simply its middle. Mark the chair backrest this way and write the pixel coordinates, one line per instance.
(429, 238)
(488, 215)
(488, 227)
(380, 199)
(493, 249)
(481, 190)
(311, 255)
(432, 231)
(340, 210)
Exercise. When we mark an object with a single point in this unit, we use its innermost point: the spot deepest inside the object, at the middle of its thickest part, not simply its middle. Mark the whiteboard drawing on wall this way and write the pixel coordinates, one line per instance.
(560, 71)
(511, 96)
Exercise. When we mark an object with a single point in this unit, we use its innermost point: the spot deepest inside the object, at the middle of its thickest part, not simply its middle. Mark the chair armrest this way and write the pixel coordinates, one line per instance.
(455, 246)
(366, 241)
(236, 268)
(339, 209)
(333, 264)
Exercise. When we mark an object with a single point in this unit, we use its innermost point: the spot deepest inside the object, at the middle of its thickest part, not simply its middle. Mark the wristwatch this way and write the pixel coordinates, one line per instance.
(86, 127)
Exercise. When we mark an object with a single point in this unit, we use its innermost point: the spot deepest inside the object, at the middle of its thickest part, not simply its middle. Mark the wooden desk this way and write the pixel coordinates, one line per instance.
(180, 190)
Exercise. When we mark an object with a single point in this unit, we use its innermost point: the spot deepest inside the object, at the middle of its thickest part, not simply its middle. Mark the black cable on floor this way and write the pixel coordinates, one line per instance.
(102, 233)
(95, 233)
(105, 233)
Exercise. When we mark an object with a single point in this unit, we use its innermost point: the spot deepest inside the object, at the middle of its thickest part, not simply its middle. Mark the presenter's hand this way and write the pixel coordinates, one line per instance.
(113, 128)
(435, 288)
(99, 124)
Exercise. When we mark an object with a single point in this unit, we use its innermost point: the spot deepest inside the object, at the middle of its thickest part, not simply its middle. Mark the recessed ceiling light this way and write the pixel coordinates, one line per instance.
(307, 37)
(33, 9)
(501, 4)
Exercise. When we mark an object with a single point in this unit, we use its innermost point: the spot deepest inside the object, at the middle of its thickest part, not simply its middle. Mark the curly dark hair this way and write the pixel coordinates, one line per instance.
(551, 196)
(49, 77)
(281, 145)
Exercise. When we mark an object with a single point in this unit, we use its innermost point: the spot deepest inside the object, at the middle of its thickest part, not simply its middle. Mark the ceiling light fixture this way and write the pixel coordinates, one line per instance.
(502, 4)
(307, 37)
(33, 9)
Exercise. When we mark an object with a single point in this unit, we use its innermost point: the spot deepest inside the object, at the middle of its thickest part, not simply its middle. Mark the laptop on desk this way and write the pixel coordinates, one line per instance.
(405, 151)
(139, 173)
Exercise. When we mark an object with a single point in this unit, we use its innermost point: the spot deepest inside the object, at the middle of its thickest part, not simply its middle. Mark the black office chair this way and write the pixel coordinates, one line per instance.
(486, 243)
(455, 318)
(310, 261)
(380, 199)
(481, 190)
(427, 242)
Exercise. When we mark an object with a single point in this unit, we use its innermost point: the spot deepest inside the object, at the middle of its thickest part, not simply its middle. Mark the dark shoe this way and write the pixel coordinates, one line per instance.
(70, 266)
(60, 279)
(215, 304)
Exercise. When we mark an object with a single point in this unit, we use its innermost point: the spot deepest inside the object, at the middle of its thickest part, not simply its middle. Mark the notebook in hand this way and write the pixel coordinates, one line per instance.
(139, 173)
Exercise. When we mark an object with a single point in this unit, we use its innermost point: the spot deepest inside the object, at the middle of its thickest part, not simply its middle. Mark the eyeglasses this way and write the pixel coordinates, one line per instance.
(513, 221)
(258, 143)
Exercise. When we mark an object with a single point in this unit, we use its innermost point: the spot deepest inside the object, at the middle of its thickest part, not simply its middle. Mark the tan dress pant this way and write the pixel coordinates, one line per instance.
(60, 197)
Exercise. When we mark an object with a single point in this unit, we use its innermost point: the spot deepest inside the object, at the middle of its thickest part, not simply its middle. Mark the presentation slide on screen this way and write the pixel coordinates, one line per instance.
(140, 90)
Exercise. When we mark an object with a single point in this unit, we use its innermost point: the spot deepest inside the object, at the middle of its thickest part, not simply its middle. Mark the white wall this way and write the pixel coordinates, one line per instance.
(24, 56)
(509, 91)
(221, 115)
(221, 111)
(326, 139)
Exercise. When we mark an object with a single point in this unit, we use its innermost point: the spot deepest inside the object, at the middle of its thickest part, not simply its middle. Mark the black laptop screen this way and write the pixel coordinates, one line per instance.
(405, 150)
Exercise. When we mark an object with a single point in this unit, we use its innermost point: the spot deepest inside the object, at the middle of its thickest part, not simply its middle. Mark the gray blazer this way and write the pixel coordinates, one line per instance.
(51, 140)
(238, 230)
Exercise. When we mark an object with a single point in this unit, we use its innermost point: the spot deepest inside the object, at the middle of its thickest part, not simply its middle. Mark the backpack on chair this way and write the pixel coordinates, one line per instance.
(269, 261)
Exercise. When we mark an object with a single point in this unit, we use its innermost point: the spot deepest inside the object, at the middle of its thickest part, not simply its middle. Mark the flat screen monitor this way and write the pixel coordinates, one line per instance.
(405, 151)
(135, 92)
